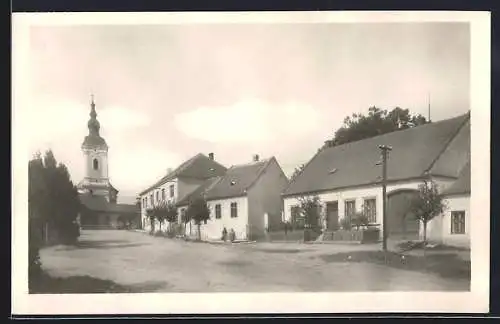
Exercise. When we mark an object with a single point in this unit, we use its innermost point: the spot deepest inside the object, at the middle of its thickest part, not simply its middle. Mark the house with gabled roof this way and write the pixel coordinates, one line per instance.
(453, 227)
(246, 199)
(179, 183)
(347, 178)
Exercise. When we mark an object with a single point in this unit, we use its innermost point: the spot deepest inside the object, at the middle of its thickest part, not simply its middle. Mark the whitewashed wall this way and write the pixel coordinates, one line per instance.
(166, 186)
(357, 194)
(213, 229)
(439, 228)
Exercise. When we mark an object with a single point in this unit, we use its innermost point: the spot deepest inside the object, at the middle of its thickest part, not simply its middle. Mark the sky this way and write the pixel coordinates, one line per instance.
(164, 93)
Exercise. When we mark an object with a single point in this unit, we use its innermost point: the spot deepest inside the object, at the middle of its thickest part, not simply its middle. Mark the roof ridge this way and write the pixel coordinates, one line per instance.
(261, 171)
(466, 115)
(455, 133)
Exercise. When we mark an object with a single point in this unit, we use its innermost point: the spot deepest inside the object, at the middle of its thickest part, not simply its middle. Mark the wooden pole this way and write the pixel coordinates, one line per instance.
(384, 149)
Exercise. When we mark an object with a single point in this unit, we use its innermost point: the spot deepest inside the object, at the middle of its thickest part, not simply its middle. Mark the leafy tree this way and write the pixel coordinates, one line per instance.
(310, 210)
(297, 171)
(185, 219)
(360, 219)
(427, 204)
(199, 212)
(53, 199)
(151, 215)
(377, 122)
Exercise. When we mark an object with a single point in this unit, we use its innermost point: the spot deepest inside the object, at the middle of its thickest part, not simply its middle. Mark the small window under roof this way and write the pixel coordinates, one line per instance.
(333, 170)
(233, 182)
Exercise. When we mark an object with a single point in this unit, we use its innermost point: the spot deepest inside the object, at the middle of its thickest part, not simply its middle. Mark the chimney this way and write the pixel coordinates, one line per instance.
(256, 157)
(169, 170)
(211, 156)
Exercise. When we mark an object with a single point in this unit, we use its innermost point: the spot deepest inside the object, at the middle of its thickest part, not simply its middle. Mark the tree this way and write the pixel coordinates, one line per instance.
(427, 204)
(376, 122)
(185, 219)
(151, 214)
(53, 199)
(297, 171)
(310, 209)
(199, 212)
(170, 213)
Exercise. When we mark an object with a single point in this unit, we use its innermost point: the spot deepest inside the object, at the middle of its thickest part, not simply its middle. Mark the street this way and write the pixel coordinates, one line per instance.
(155, 264)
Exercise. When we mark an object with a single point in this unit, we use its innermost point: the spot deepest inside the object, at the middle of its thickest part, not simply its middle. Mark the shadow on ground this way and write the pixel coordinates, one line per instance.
(101, 245)
(46, 284)
(280, 250)
(445, 265)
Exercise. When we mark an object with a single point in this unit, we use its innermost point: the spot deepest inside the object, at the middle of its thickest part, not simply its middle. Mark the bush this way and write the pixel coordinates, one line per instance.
(346, 224)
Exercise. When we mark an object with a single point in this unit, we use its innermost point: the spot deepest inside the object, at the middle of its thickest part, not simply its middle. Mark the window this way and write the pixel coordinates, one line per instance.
(234, 210)
(171, 190)
(370, 207)
(218, 213)
(151, 199)
(157, 196)
(350, 208)
(205, 222)
(163, 193)
(95, 164)
(458, 222)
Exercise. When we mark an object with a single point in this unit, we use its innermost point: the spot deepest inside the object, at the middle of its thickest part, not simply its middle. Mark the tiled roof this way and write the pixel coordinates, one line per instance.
(462, 184)
(94, 202)
(99, 203)
(199, 167)
(414, 152)
(200, 191)
(237, 180)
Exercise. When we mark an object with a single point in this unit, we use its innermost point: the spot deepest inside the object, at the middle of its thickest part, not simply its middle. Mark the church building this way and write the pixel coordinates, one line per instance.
(97, 194)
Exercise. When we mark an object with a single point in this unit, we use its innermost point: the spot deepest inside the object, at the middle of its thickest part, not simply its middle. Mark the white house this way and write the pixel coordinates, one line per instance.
(453, 227)
(246, 199)
(347, 177)
(179, 183)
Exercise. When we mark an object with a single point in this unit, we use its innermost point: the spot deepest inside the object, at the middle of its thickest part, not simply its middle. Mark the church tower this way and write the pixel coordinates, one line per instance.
(95, 154)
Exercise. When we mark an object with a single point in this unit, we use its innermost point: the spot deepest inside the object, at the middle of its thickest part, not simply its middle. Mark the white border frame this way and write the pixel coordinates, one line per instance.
(477, 300)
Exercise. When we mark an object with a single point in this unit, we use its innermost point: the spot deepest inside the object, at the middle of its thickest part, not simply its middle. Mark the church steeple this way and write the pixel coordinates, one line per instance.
(93, 123)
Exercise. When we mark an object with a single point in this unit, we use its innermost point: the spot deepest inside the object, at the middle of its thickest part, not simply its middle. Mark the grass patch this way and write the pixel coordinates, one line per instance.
(444, 265)
(46, 284)
(419, 245)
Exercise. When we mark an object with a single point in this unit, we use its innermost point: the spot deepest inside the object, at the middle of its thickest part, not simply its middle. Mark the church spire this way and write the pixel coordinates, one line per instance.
(93, 124)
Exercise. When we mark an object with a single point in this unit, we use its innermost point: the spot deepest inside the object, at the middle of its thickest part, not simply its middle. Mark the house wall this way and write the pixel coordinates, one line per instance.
(213, 229)
(182, 187)
(149, 204)
(439, 228)
(265, 197)
(357, 194)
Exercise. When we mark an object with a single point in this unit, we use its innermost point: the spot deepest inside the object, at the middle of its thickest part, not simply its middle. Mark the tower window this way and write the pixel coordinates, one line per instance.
(95, 164)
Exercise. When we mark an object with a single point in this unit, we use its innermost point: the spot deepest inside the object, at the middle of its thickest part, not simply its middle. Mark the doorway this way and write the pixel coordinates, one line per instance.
(332, 215)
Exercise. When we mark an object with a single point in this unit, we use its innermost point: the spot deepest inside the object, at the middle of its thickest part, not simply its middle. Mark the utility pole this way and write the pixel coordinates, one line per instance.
(384, 149)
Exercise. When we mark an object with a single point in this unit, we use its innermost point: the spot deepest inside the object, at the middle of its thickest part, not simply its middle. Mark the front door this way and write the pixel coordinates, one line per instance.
(332, 213)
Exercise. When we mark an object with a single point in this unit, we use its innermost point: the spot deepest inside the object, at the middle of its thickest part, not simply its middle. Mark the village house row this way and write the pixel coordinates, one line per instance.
(256, 195)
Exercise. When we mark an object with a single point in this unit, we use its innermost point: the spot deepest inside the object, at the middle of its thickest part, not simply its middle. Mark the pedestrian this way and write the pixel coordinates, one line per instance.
(232, 235)
(224, 234)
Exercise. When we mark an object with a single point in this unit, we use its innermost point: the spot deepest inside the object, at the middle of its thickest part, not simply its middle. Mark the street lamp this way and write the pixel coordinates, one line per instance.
(384, 150)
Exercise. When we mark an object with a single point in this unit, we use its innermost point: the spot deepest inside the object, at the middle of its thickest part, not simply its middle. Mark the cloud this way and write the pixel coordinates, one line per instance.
(248, 121)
